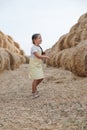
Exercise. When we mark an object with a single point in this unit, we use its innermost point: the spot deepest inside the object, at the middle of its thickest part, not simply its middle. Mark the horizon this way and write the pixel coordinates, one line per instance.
(22, 18)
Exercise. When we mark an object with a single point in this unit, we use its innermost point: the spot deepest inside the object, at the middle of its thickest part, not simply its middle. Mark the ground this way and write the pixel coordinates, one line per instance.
(62, 104)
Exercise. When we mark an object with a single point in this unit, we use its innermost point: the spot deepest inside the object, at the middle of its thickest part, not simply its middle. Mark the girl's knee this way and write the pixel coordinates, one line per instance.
(41, 79)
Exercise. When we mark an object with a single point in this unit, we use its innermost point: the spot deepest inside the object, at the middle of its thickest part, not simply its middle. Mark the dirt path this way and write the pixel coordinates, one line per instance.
(62, 104)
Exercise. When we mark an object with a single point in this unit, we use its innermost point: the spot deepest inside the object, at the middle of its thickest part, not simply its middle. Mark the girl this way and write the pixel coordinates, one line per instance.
(35, 64)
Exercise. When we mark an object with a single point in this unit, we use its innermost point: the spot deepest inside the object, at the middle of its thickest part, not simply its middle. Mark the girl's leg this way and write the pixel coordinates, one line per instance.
(39, 81)
(35, 84)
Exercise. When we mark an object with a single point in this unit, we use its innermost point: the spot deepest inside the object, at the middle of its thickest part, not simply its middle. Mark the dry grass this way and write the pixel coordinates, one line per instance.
(4, 60)
(9, 60)
(73, 59)
(7, 42)
(62, 104)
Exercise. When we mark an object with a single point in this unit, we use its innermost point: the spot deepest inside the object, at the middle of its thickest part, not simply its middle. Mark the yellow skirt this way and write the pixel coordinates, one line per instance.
(35, 69)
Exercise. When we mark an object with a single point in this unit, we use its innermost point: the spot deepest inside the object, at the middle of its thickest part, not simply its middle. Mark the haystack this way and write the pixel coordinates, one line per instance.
(77, 33)
(4, 60)
(15, 59)
(70, 51)
(11, 55)
(73, 59)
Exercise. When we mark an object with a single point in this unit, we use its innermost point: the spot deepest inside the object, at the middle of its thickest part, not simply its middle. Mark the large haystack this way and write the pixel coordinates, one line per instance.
(70, 52)
(11, 55)
(75, 59)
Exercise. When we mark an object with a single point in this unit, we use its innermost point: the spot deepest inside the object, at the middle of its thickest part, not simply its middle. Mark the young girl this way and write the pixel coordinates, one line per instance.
(35, 64)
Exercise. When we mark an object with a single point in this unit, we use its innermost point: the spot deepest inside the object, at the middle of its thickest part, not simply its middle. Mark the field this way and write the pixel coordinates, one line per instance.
(62, 104)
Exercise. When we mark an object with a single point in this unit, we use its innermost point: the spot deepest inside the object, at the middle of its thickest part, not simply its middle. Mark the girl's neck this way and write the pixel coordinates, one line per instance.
(36, 44)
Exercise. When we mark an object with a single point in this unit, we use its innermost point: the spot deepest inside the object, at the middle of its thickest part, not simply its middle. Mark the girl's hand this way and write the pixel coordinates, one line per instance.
(41, 56)
(47, 57)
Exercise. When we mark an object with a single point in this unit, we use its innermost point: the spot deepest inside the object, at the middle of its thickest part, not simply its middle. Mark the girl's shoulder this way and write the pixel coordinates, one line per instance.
(35, 47)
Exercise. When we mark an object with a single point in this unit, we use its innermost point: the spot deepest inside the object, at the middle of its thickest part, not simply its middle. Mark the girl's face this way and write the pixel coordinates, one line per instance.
(38, 40)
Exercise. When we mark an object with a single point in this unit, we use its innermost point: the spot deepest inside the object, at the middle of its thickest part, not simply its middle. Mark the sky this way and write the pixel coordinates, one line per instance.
(51, 18)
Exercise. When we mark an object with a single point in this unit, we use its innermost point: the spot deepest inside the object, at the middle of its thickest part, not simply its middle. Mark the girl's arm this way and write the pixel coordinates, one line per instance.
(41, 56)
